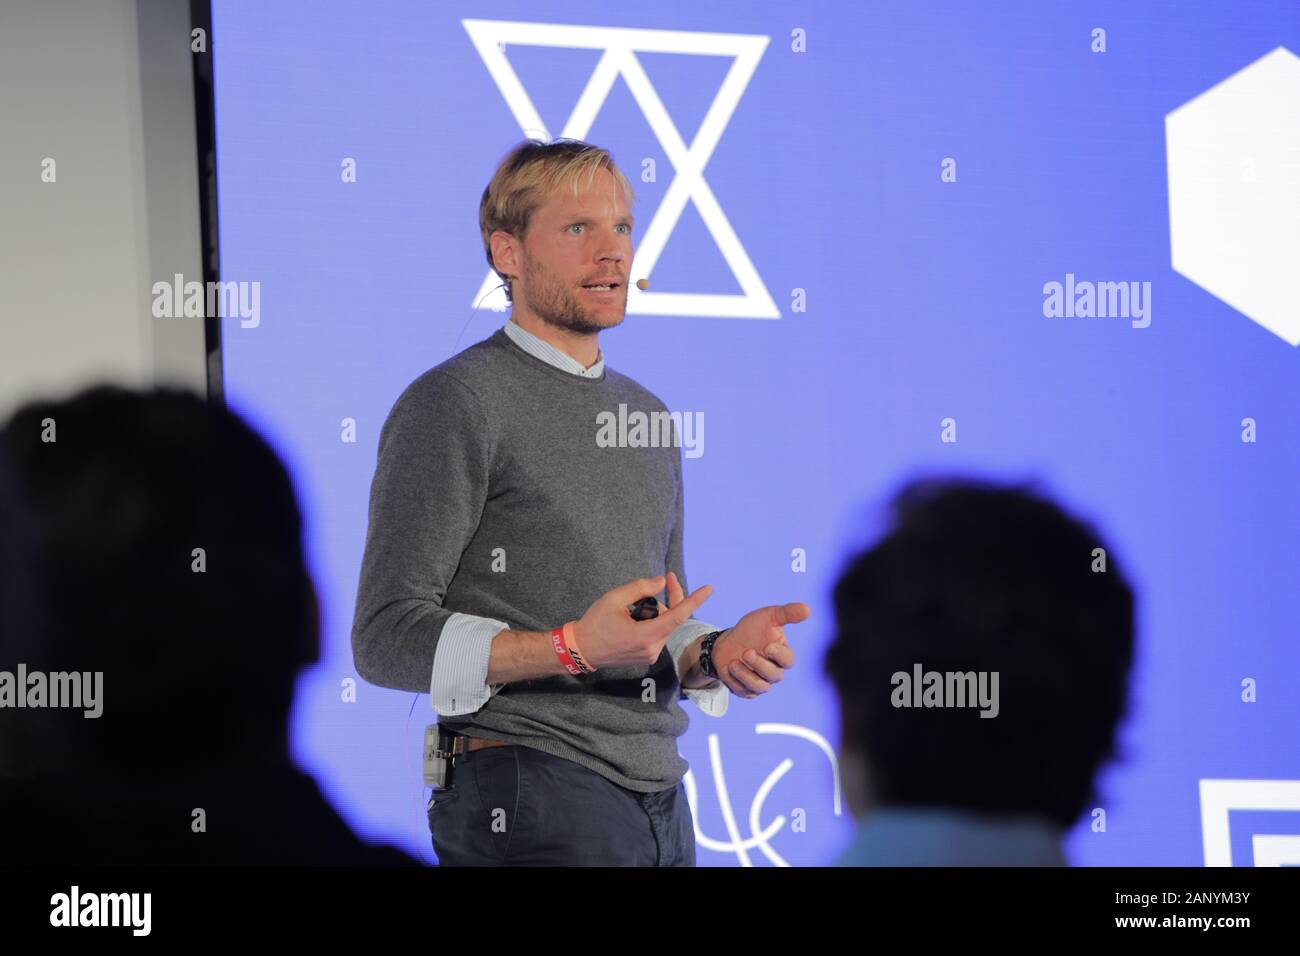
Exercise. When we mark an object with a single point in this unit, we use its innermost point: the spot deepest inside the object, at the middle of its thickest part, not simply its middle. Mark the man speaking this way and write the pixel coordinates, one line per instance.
(507, 547)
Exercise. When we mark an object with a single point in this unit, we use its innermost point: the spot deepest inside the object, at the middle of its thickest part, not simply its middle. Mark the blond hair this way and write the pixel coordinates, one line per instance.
(528, 175)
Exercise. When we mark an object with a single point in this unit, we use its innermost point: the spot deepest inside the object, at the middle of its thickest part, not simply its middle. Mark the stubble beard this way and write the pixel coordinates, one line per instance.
(560, 308)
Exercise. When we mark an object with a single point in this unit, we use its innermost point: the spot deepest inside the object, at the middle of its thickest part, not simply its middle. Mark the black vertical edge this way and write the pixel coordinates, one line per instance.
(205, 114)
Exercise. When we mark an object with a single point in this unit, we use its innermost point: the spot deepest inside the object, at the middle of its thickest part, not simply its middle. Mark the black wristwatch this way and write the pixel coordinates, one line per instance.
(706, 654)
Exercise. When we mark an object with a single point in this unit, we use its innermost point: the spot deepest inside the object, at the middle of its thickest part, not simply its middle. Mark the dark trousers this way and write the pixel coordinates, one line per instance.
(516, 806)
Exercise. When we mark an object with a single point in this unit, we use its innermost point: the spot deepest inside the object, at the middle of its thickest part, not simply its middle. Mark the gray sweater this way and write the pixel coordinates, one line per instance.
(493, 497)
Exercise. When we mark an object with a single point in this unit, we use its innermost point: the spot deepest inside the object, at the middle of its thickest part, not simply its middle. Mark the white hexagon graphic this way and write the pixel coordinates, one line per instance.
(1234, 191)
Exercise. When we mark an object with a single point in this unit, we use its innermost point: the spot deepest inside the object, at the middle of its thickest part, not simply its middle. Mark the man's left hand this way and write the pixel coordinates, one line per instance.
(753, 656)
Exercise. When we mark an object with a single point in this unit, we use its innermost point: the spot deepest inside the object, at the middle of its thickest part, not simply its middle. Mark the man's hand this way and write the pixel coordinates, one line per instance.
(754, 655)
(609, 637)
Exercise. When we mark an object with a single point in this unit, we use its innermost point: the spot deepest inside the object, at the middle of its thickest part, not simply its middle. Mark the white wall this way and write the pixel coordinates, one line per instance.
(104, 88)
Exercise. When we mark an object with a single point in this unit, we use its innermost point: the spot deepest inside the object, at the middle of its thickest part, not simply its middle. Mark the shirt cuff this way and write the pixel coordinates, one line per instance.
(713, 697)
(460, 664)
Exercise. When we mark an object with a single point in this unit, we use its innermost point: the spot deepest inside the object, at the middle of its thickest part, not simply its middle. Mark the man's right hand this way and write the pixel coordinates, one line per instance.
(609, 637)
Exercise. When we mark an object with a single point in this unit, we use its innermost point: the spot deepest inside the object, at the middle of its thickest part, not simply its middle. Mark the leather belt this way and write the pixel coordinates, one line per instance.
(460, 744)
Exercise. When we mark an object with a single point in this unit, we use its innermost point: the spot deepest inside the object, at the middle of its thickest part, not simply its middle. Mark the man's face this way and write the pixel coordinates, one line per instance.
(575, 242)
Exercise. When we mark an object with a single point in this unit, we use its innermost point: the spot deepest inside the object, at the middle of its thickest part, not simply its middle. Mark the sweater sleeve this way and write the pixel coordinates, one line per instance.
(426, 499)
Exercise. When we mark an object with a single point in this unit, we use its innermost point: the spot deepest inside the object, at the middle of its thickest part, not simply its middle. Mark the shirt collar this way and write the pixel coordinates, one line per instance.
(548, 353)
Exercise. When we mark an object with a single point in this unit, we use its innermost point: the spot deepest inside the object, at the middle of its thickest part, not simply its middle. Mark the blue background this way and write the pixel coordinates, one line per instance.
(924, 301)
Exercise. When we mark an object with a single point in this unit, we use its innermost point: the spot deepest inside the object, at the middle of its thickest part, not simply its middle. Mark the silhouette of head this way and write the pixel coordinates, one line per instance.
(168, 546)
(977, 578)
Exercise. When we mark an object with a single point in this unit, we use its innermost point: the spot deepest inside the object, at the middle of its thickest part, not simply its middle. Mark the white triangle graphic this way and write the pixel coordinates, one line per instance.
(620, 46)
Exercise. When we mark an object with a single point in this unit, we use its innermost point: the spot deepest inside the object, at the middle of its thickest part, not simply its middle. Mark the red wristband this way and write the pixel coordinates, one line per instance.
(565, 643)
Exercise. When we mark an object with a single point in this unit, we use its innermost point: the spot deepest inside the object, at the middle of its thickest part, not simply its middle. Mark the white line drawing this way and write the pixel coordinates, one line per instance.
(761, 836)
(1276, 849)
(1220, 796)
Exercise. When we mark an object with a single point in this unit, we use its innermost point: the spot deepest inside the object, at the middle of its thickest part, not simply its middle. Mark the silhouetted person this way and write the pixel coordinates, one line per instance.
(17, 624)
(977, 581)
(169, 555)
